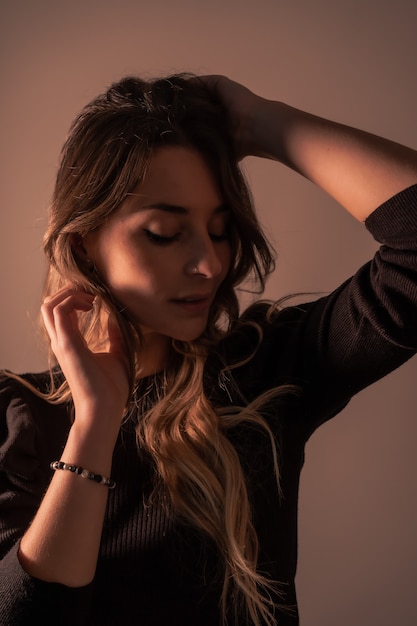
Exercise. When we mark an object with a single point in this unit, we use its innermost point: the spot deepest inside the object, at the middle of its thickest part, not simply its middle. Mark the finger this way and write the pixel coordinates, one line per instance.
(63, 293)
(211, 80)
(59, 305)
(65, 316)
(60, 314)
(52, 302)
(217, 85)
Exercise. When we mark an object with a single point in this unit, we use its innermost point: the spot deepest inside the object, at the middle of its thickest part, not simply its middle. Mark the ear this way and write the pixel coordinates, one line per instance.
(79, 250)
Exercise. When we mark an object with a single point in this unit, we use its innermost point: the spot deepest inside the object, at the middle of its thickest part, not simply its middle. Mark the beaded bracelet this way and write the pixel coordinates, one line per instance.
(75, 469)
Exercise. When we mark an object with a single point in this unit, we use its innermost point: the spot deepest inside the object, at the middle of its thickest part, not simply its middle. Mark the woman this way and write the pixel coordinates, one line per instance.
(152, 476)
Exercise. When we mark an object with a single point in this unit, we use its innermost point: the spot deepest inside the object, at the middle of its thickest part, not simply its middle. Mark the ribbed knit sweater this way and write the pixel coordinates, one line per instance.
(153, 568)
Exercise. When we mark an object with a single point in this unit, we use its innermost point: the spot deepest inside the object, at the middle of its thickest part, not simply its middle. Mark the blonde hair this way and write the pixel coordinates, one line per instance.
(104, 157)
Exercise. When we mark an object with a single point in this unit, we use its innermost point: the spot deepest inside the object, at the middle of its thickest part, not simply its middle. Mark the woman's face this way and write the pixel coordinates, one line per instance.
(165, 251)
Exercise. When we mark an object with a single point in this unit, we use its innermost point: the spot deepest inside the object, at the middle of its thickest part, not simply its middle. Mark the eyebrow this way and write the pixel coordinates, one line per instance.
(179, 210)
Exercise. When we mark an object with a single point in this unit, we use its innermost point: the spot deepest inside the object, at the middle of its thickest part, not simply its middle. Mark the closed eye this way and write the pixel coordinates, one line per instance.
(160, 239)
(219, 227)
(222, 237)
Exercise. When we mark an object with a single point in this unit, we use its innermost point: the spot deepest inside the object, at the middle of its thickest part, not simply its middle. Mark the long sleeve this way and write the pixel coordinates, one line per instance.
(367, 327)
(32, 434)
(341, 343)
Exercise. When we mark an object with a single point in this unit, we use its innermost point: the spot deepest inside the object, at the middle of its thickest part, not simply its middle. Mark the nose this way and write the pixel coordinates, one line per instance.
(205, 260)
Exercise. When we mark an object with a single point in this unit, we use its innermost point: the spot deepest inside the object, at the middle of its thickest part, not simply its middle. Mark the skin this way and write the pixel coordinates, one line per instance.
(165, 266)
(165, 252)
(356, 168)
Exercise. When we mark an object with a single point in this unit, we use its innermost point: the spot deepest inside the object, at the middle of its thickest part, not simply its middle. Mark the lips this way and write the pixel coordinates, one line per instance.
(197, 297)
(195, 303)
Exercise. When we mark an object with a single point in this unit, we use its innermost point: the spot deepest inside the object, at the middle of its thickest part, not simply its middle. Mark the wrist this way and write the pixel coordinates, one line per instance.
(90, 447)
(264, 129)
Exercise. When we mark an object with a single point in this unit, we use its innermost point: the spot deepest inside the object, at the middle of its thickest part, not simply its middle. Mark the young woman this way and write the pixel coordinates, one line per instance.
(151, 476)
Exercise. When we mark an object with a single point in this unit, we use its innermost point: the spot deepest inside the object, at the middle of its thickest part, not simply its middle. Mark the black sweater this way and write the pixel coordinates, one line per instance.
(153, 569)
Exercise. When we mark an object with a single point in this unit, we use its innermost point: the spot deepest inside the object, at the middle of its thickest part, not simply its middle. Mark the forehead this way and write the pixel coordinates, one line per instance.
(180, 176)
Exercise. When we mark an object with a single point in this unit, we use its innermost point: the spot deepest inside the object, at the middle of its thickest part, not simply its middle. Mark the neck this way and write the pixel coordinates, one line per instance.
(154, 354)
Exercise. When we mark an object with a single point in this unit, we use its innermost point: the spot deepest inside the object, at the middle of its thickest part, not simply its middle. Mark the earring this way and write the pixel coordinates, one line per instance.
(195, 270)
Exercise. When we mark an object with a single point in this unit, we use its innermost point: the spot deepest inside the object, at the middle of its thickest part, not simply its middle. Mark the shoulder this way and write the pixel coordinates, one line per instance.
(24, 393)
(31, 428)
(12, 384)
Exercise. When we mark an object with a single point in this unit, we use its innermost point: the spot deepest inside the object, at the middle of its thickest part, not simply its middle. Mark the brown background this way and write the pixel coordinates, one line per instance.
(354, 62)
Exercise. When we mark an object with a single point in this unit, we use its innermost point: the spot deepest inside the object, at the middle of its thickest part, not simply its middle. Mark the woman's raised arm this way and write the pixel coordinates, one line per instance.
(356, 168)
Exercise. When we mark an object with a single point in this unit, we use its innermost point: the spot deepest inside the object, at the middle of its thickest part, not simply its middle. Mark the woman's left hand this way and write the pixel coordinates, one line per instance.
(356, 168)
(241, 105)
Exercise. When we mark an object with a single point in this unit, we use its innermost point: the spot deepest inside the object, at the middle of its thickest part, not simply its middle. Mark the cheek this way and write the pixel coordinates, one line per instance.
(141, 273)
(226, 260)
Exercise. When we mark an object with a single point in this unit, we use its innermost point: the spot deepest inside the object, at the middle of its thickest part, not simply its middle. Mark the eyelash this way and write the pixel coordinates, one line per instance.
(161, 240)
(223, 237)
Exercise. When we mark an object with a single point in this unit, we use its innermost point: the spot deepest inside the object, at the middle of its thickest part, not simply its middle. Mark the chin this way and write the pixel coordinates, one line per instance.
(188, 334)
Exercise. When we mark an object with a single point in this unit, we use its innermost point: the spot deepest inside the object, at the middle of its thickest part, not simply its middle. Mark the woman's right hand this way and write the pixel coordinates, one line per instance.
(62, 542)
(98, 380)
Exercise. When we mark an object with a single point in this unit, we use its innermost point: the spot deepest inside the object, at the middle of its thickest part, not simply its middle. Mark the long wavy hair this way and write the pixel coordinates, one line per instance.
(104, 158)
